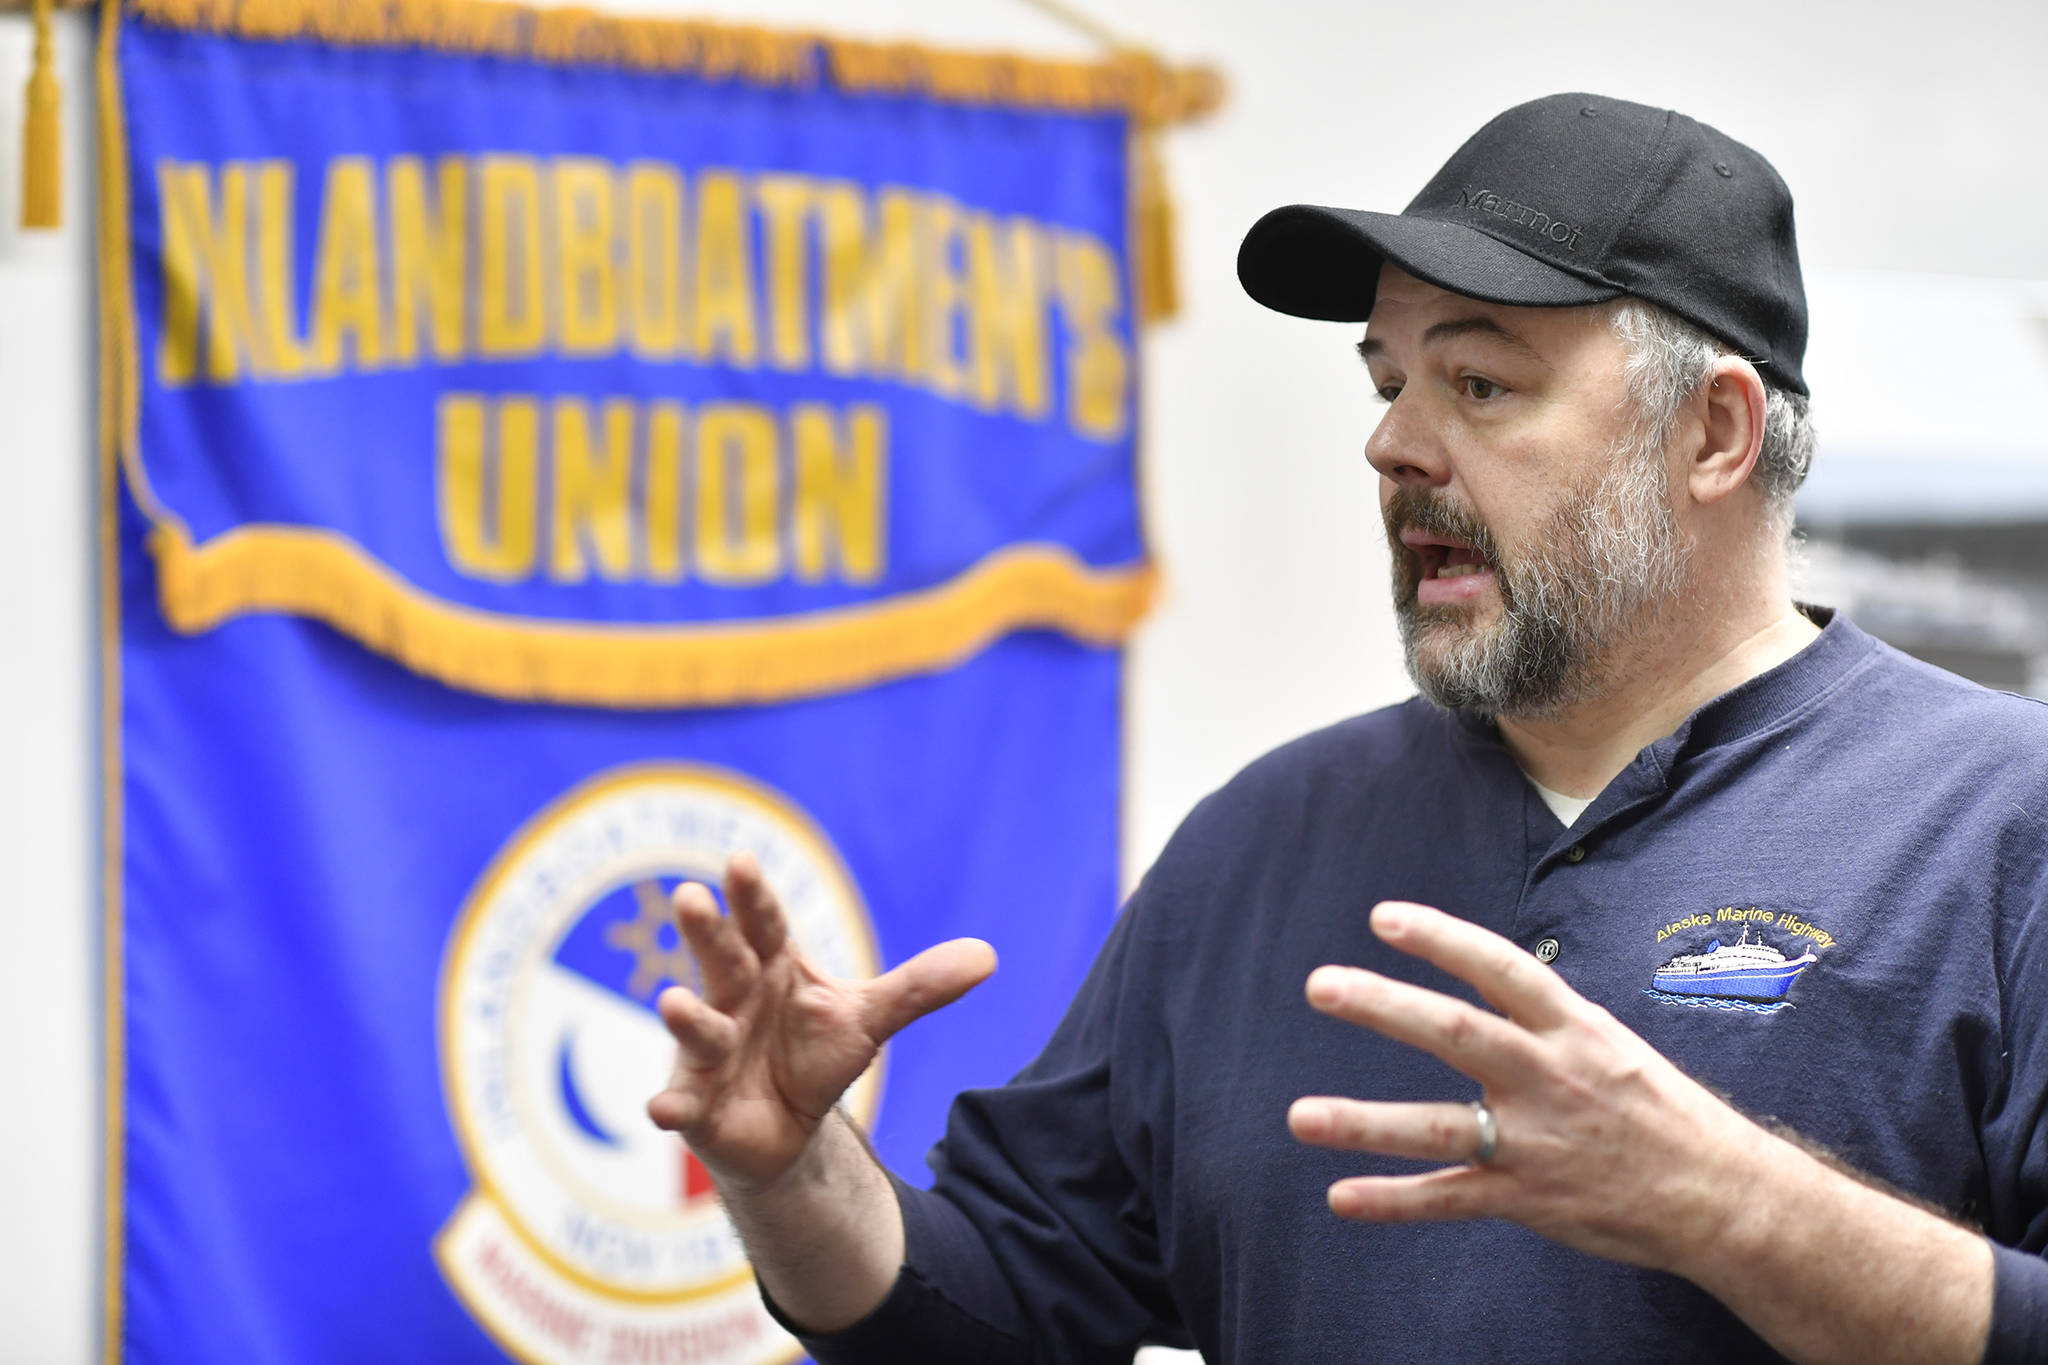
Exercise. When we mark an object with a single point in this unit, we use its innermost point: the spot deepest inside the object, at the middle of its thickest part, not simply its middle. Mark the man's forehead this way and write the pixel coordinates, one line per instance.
(1399, 285)
(1402, 298)
(1409, 309)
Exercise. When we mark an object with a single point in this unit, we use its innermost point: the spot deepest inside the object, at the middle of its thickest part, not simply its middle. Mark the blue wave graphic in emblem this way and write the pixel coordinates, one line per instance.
(1713, 1002)
(572, 1100)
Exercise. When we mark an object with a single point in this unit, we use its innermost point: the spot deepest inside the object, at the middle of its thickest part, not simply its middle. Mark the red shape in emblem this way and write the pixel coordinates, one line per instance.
(696, 1179)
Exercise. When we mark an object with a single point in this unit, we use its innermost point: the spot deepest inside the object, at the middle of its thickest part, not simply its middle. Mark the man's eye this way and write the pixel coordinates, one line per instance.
(1387, 393)
(1480, 389)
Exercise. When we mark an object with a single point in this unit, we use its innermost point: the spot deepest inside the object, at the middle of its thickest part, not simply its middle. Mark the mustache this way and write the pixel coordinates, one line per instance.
(1432, 513)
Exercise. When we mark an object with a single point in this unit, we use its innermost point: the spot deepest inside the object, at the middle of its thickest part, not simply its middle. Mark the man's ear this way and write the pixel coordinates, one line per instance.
(1732, 418)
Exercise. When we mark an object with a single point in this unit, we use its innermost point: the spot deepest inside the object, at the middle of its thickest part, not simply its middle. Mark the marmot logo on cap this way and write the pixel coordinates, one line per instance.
(1555, 229)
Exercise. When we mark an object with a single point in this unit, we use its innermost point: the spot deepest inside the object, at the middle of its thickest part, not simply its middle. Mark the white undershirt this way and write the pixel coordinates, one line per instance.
(1567, 809)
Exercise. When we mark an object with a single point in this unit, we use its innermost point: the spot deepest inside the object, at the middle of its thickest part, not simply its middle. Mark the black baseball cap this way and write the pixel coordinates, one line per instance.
(1566, 200)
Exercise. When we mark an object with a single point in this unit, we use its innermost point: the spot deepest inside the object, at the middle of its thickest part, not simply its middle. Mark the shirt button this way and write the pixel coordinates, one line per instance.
(1575, 854)
(1546, 951)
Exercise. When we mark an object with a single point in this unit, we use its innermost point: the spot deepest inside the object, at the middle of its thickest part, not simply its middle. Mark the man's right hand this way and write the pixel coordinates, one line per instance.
(772, 1043)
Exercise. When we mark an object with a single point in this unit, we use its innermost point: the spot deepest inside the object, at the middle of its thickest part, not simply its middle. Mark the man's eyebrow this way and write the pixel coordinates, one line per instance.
(1456, 327)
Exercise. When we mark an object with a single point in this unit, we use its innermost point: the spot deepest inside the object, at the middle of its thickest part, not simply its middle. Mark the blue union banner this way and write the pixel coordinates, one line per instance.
(547, 455)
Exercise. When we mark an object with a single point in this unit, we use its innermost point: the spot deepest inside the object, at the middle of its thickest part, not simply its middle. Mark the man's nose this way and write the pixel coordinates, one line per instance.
(1405, 447)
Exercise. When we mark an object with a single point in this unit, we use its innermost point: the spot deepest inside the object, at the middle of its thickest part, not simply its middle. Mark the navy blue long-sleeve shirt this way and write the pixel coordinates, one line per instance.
(1137, 1181)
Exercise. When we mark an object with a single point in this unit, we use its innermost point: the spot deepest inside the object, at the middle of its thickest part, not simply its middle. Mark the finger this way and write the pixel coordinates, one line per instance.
(706, 1036)
(1434, 1196)
(1480, 1044)
(728, 965)
(1421, 1132)
(675, 1110)
(754, 906)
(1507, 978)
(934, 978)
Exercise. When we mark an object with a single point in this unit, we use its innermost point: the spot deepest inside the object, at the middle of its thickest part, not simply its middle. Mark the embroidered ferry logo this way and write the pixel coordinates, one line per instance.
(1747, 974)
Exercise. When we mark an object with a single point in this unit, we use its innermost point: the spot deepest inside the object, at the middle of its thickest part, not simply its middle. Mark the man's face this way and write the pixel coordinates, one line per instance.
(1533, 536)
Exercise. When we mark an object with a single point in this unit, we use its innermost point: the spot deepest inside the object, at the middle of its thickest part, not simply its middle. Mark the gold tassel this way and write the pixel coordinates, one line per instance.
(1158, 280)
(41, 163)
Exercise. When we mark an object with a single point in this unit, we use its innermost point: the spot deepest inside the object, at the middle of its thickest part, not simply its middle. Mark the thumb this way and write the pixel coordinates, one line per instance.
(934, 978)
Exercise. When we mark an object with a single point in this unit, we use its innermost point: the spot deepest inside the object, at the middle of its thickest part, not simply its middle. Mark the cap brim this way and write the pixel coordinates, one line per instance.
(1324, 263)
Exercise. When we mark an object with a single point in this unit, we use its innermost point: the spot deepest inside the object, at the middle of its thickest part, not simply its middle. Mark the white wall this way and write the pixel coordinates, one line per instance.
(49, 1139)
(1909, 135)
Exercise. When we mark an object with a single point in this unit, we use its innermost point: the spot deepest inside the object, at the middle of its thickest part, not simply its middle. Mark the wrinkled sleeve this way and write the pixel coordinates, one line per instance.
(1036, 1242)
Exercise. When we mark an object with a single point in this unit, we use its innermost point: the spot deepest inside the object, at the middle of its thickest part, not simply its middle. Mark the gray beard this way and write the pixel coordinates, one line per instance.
(1600, 573)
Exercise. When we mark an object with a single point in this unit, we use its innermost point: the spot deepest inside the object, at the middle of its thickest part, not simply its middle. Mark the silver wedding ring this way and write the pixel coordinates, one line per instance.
(1489, 1133)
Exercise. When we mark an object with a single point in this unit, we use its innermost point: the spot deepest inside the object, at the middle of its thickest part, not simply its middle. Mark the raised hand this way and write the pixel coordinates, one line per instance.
(773, 1042)
(1602, 1141)
(1603, 1144)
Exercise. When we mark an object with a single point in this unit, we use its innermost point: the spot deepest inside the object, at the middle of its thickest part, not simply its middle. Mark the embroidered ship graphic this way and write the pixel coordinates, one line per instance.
(1742, 970)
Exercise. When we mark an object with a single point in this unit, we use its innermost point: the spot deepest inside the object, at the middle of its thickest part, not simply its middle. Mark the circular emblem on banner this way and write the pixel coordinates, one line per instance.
(591, 1235)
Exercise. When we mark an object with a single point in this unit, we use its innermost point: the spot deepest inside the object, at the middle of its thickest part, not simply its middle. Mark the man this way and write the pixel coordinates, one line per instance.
(1704, 856)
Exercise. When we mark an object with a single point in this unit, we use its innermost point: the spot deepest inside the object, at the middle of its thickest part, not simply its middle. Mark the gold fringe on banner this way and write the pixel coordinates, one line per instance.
(715, 51)
(329, 578)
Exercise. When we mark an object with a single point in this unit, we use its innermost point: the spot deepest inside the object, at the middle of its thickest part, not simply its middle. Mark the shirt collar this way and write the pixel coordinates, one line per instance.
(1777, 694)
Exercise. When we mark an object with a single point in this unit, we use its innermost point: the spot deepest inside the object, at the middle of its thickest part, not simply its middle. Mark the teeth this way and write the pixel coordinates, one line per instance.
(1459, 570)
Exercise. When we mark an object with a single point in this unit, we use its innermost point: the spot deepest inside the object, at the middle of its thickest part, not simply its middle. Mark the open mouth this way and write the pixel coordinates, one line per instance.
(1443, 557)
